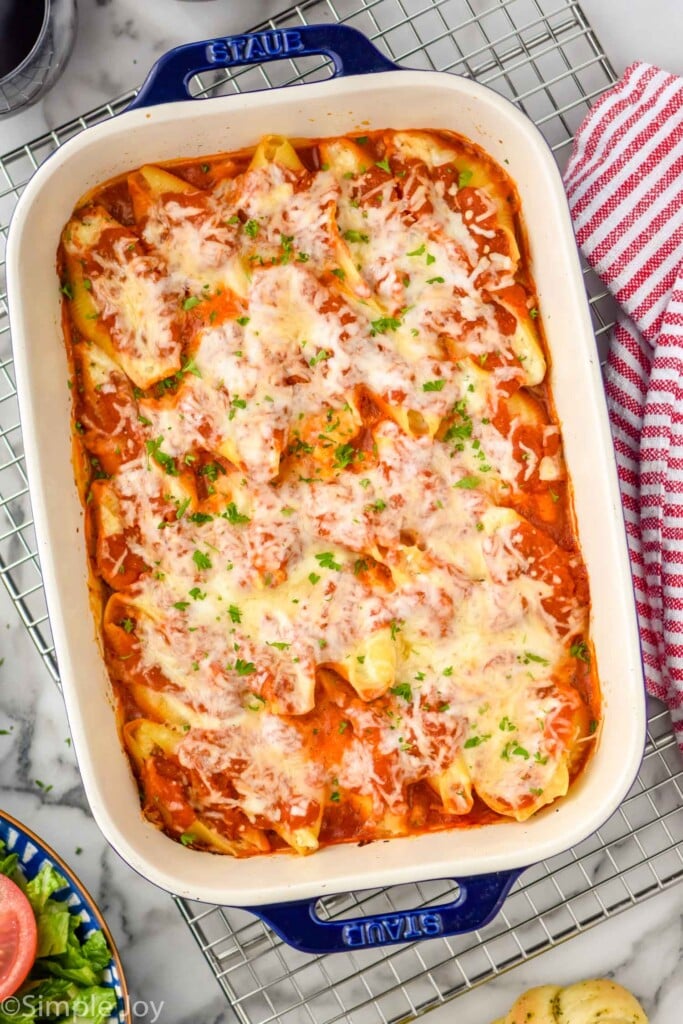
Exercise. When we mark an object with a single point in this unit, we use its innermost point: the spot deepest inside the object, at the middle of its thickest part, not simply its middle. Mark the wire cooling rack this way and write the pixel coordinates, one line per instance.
(543, 55)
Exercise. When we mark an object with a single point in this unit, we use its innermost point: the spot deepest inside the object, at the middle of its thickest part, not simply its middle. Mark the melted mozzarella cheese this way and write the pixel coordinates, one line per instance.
(399, 567)
(138, 303)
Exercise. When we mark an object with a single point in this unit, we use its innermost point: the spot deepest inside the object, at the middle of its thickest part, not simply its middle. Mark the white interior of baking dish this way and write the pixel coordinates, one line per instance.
(408, 99)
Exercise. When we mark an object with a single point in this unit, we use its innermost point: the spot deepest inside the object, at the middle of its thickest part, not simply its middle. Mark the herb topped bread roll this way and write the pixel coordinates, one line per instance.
(597, 1001)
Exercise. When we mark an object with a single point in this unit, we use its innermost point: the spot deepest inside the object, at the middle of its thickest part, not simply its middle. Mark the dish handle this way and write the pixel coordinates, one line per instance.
(350, 51)
(478, 900)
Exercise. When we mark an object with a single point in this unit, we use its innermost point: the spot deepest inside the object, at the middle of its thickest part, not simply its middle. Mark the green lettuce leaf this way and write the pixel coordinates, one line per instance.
(53, 928)
(93, 1005)
(96, 951)
(9, 865)
(50, 999)
(64, 983)
(60, 1000)
(40, 888)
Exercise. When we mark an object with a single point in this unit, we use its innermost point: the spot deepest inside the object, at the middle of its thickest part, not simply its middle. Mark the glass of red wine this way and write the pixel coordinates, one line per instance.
(36, 37)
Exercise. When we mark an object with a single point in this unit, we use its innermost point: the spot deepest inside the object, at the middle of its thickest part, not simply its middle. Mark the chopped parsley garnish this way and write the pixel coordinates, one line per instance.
(402, 690)
(433, 385)
(197, 594)
(325, 559)
(313, 578)
(279, 644)
(234, 516)
(533, 313)
(476, 741)
(98, 472)
(187, 839)
(539, 759)
(234, 613)
(443, 707)
(127, 625)
(395, 628)
(211, 471)
(356, 236)
(66, 290)
(235, 404)
(467, 483)
(459, 431)
(189, 366)
(169, 383)
(243, 320)
(190, 303)
(436, 280)
(383, 165)
(258, 702)
(361, 140)
(376, 506)
(364, 482)
(319, 356)
(245, 668)
(513, 749)
(201, 560)
(251, 228)
(344, 455)
(163, 459)
(298, 446)
(302, 257)
(335, 796)
(286, 243)
(418, 252)
(338, 272)
(535, 791)
(197, 517)
(464, 178)
(359, 566)
(579, 650)
(505, 725)
(448, 671)
(529, 657)
(343, 725)
(384, 324)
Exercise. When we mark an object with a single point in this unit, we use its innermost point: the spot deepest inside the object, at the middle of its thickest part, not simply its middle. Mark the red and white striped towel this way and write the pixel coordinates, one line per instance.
(624, 183)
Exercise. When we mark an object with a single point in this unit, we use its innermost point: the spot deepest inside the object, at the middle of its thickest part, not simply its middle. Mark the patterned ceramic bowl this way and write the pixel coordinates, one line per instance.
(33, 855)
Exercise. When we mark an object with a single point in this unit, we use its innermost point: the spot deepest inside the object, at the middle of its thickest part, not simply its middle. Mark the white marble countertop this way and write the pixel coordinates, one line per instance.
(117, 42)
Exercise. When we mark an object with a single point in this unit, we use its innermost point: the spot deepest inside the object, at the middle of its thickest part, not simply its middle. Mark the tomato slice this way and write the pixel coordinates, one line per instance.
(18, 937)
